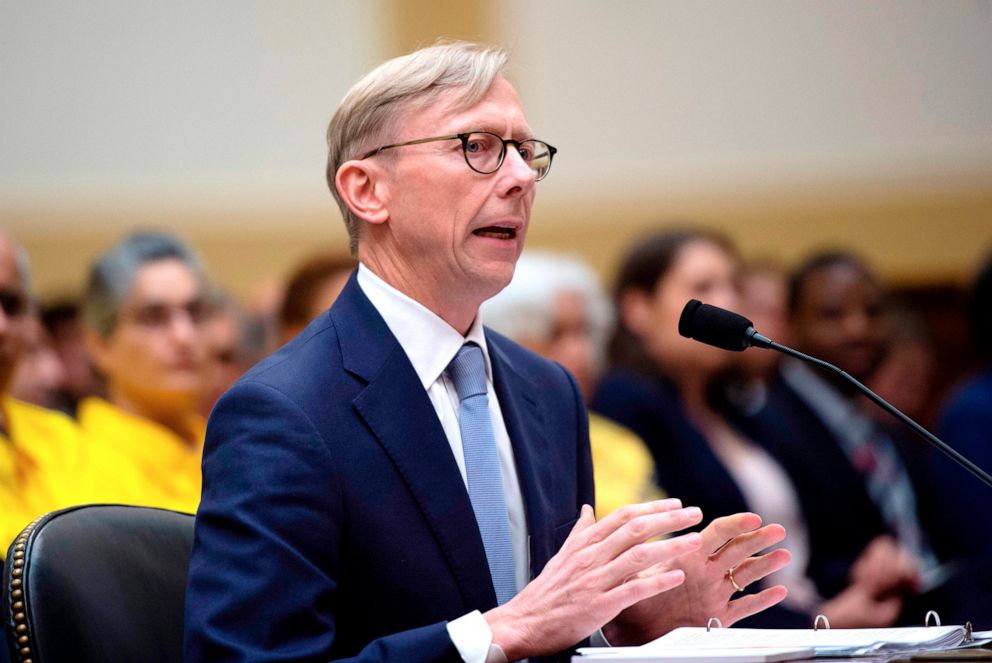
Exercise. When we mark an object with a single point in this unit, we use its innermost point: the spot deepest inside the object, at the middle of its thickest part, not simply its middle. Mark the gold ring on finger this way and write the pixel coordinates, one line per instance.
(729, 575)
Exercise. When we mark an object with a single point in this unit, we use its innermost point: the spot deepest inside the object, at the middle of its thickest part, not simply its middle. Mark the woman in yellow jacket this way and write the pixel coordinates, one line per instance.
(144, 313)
(40, 459)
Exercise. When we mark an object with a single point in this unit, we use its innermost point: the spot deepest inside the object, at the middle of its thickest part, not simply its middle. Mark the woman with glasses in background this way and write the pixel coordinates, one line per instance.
(144, 310)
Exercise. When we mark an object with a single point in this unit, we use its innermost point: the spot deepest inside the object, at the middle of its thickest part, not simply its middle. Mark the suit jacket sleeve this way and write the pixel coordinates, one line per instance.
(264, 567)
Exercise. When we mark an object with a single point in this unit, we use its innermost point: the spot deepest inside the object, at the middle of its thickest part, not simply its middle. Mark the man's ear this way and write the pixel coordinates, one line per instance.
(362, 188)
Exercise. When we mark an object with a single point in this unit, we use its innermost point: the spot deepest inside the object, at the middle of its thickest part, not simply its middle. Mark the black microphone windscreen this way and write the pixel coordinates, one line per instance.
(714, 326)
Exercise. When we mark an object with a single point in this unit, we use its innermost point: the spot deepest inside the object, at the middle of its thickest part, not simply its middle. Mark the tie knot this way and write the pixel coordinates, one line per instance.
(468, 371)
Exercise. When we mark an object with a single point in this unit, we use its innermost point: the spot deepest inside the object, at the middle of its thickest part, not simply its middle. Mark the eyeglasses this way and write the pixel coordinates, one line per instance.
(159, 316)
(13, 303)
(485, 152)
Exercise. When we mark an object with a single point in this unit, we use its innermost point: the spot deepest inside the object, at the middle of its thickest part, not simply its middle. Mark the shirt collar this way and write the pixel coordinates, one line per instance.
(428, 341)
(839, 414)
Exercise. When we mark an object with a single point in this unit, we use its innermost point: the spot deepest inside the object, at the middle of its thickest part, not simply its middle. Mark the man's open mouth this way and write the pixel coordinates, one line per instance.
(496, 232)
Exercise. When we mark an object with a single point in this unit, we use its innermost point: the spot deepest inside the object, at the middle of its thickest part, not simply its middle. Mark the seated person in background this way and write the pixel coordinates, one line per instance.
(966, 425)
(144, 311)
(64, 324)
(226, 332)
(555, 307)
(311, 290)
(839, 455)
(906, 375)
(763, 291)
(39, 449)
(662, 386)
(40, 376)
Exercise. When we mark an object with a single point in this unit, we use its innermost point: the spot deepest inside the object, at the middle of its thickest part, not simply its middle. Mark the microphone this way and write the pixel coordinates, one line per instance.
(730, 331)
(719, 327)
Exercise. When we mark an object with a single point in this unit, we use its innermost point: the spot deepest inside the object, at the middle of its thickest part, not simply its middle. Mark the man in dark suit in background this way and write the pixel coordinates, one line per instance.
(400, 484)
(861, 482)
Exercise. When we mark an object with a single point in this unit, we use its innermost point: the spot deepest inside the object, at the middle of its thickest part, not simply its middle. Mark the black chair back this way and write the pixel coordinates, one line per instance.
(98, 583)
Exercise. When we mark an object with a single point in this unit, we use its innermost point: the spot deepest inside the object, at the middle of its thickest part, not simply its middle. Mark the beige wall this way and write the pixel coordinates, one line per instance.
(791, 125)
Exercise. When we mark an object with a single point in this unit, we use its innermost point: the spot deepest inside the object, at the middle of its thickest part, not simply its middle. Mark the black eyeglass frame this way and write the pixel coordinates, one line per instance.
(463, 137)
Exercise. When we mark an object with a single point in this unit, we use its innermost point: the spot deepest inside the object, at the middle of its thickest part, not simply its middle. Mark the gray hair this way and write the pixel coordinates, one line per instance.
(370, 108)
(525, 308)
(112, 275)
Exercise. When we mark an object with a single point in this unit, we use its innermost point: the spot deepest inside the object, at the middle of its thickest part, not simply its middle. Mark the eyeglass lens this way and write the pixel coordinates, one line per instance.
(157, 316)
(485, 153)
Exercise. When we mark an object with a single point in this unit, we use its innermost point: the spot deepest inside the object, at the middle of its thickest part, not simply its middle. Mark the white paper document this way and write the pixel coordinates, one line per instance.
(697, 643)
(675, 655)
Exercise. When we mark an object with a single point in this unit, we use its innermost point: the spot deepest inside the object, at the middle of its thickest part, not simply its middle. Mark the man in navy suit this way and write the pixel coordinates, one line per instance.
(339, 518)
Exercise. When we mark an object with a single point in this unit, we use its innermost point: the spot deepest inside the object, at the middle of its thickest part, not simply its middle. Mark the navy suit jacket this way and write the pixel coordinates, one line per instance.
(334, 521)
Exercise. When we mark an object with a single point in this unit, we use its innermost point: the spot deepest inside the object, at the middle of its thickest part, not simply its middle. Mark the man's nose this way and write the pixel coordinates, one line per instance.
(520, 176)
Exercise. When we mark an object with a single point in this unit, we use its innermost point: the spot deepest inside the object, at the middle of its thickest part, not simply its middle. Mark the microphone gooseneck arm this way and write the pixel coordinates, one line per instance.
(730, 331)
(949, 451)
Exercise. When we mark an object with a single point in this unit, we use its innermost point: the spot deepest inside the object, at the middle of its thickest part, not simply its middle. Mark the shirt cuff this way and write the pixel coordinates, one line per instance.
(471, 636)
(597, 639)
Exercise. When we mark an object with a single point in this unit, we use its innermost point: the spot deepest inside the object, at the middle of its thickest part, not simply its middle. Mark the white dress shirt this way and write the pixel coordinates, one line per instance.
(430, 344)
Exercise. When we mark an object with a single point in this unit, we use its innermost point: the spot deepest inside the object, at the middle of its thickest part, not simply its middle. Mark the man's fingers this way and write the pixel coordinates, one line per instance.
(587, 518)
(751, 604)
(644, 586)
(722, 530)
(650, 554)
(623, 515)
(744, 545)
(605, 545)
(754, 569)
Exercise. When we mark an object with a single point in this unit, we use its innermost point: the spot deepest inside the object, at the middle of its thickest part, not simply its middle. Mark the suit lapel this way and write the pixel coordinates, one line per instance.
(399, 413)
(525, 426)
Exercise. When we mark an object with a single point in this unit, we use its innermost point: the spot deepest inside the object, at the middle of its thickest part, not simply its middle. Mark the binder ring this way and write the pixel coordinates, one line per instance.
(710, 621)
(936, 618)
(816, 623)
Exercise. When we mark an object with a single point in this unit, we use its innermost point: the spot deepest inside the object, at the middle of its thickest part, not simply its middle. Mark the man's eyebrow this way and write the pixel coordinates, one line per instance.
(521, 136)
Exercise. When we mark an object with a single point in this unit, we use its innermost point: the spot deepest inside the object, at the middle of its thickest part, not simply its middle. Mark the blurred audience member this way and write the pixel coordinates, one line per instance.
(966, 425)
(905, 376)
(862, 483)
(144, 311)
(39, 449)
(662, 386)
(311, 290)
(65, 328)
(763, 290)
(555, 307)
(39, 376)
(229, 353)
(261, 305)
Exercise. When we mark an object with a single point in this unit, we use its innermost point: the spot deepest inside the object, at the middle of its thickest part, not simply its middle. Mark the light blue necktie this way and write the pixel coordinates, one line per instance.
(485, 480)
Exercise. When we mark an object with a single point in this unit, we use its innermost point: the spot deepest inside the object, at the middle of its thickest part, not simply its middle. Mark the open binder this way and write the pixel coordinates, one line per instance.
(748, 645)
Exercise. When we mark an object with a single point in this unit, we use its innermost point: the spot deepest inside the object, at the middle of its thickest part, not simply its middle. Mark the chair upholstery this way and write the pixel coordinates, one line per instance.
(98, 583)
